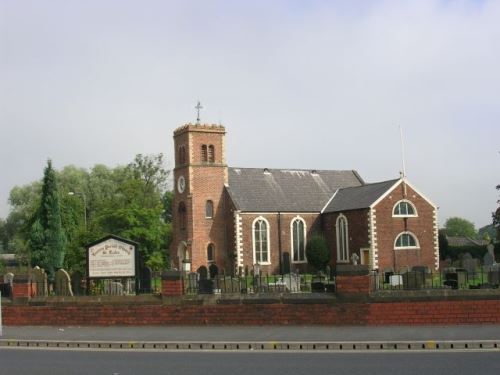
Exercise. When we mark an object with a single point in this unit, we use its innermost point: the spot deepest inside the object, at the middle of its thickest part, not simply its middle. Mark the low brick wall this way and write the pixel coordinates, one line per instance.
(307, 312)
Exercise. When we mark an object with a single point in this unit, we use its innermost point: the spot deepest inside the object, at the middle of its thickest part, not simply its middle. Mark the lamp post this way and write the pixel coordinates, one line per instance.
(84, 205)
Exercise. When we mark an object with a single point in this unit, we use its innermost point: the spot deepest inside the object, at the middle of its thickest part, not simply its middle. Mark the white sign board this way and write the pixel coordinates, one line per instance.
(111, 258)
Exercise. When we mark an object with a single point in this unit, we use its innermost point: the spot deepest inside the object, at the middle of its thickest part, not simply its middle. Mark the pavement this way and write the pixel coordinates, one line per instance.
(254, 334)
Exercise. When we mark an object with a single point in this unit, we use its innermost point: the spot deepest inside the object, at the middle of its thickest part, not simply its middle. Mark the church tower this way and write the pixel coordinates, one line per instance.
(200, 174)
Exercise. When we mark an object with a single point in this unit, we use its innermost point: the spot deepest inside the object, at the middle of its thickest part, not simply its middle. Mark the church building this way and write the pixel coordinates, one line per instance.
(237, 218)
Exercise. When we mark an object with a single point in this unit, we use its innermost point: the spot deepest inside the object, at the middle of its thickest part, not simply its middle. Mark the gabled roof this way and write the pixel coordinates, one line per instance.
(353, 198)
(458, 241)
(273, 190)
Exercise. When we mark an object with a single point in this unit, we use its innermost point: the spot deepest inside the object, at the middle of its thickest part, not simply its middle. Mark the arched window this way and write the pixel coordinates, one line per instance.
(261, 252)
(342, 239)
(209, 209)
(298, 240)
(211, 154)
(210, 253)
(182, 155)
(182, 215)
(406, 240)
(204, 153)
(404, 208)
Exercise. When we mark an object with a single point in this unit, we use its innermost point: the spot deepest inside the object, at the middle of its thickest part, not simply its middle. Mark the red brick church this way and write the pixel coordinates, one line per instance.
(238, 217)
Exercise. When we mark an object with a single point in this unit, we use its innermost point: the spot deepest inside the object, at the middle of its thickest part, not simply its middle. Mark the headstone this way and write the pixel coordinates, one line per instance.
(488, 260)
(63, 283)
(39, 279)
(355, 259)
(77, 283)
(192, 282)
(8, 278)
(113, 288)
(292, 282)
(413, 280)
(213, 270)
(145, 280)
(469, 263)
(203, 272)
(286, 262)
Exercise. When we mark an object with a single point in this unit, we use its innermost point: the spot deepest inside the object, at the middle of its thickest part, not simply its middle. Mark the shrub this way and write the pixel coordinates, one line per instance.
(317, 252)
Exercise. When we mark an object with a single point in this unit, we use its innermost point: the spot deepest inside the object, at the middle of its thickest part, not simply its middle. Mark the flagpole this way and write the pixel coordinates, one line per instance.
(403, 158)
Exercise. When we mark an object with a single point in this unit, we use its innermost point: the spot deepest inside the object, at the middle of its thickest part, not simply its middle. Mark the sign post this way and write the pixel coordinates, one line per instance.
(1, 314)
(112, 257)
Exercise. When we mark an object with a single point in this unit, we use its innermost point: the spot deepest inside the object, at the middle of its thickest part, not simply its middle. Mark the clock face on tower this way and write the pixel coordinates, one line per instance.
(181, 184)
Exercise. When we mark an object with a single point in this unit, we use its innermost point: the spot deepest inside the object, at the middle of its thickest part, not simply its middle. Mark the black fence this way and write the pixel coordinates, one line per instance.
(288, 283)
(79, 285)
(451, 278)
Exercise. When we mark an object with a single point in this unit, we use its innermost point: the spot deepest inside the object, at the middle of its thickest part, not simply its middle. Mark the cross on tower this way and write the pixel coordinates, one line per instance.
(198, 107)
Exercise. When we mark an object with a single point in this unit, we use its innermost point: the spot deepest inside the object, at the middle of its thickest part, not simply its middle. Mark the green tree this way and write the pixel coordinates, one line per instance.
(4, 240)
(456, 226)
(317, 252)
(47, 239)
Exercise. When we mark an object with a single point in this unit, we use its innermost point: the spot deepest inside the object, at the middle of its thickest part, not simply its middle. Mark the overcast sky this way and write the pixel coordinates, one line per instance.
(298, 84)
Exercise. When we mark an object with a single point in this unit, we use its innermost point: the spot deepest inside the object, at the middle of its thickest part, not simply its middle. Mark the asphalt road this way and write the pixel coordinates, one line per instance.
(58, 362)
(270, 333)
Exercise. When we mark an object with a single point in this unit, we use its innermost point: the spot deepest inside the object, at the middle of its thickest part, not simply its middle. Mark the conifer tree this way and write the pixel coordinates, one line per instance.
(47, 239)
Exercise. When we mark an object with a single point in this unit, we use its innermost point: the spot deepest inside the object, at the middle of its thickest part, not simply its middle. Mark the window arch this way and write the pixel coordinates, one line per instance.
(211, 154)
(210, 253)
(182, 155)
(342, 239)
(209, 209)
(204, 158)
(298, 232)
(406, 240)
(261, 251)
(404, 208)
(182, 215)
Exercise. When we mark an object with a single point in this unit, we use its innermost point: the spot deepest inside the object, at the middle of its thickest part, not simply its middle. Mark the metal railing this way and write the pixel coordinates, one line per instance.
(98, 287)
(451, 278)
(287, 283)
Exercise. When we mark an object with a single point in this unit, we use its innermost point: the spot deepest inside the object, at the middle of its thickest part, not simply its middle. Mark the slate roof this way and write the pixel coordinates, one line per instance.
(457, 241)
(273, 190)
(353, 198)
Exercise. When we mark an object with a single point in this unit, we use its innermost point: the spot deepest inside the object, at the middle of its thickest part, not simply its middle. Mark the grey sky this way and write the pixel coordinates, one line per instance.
(298, 84)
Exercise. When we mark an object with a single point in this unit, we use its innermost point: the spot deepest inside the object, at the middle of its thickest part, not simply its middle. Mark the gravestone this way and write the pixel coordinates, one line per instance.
(8, 278)
(469, 263)
(39, 279)
(63, 283)
(192, 282)
(6, 287)
(213, 271)
(145, 281)
(203, 272)
(488, 260)
(113, 288)
(286, 262)
(292, 282)
(77, 281)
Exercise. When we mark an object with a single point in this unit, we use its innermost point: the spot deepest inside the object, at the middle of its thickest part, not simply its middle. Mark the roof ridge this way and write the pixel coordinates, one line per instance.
(370, 184)
(296, 169)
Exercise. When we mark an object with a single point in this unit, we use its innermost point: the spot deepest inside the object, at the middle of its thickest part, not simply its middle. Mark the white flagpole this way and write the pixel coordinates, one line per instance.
(403, 159)
(402, 150)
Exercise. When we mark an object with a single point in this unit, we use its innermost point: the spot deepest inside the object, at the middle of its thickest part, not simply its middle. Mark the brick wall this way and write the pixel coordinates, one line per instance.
(349, 285)
(276, 221)
(388, 228)
(357, 231)
(400, 313)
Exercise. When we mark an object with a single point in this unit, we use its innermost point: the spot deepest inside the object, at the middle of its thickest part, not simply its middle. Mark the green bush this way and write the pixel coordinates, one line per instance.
(317, 252)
